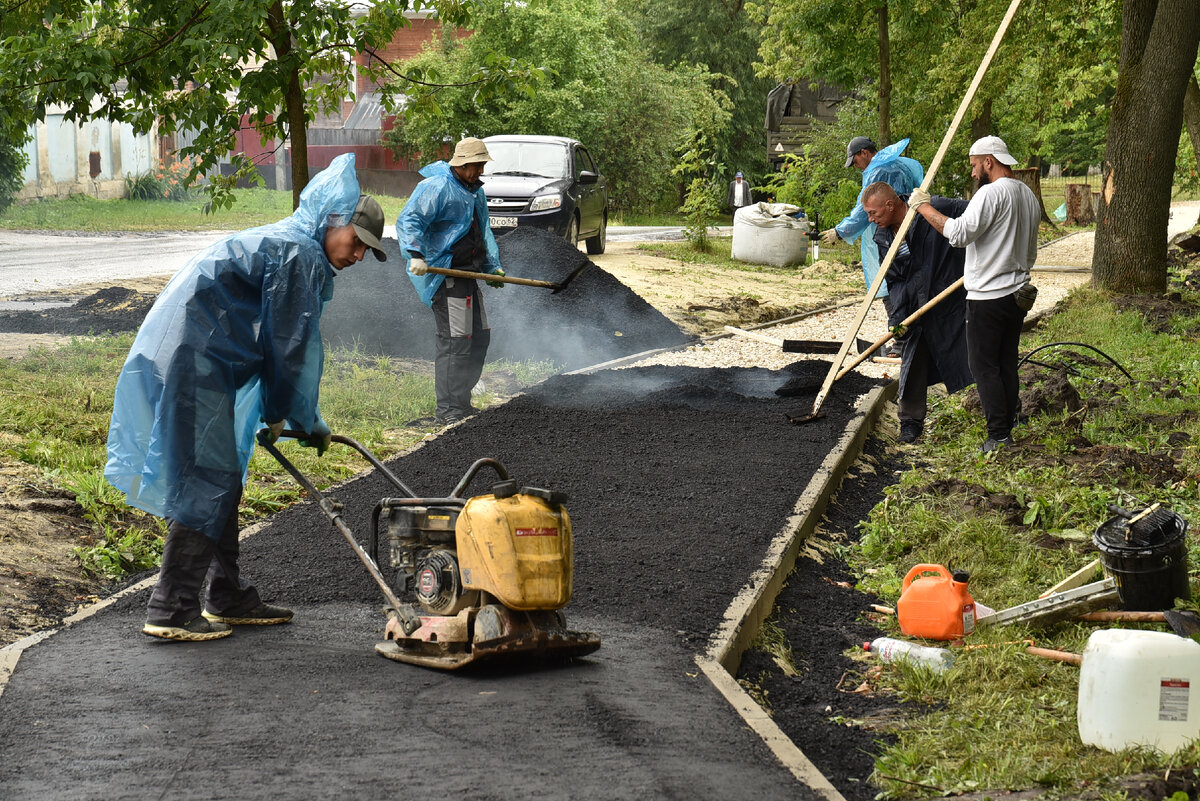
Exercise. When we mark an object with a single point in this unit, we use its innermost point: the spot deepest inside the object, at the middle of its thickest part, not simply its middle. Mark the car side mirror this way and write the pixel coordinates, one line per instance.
(588, 177)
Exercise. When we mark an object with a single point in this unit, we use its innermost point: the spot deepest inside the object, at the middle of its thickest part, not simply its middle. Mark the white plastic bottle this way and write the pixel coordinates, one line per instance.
(891, 650)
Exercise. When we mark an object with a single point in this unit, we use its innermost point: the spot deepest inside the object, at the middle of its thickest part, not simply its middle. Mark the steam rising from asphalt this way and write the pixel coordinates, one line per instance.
(594, 319)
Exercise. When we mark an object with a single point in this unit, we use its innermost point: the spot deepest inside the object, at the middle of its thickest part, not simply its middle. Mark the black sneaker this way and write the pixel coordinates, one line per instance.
(195, 630)
(911, 430)
(991, 444)
(261, 615)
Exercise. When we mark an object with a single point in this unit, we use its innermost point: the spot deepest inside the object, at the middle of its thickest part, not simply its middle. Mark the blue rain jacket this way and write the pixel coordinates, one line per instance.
(902, 174)
(438, 214)
(231, 342)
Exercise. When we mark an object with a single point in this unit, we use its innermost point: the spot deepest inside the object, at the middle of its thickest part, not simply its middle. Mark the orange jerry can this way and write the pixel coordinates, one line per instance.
(936, 607)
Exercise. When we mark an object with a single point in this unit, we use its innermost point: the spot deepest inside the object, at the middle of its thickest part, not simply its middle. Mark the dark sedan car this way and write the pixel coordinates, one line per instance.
(549, 182)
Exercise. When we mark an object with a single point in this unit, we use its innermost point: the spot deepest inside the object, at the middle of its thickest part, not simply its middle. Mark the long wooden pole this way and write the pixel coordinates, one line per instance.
(907, 321)
(908, 218)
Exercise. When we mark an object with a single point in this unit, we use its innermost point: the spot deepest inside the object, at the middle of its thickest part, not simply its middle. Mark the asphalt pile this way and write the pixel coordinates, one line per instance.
(593, 319)
(111, 310)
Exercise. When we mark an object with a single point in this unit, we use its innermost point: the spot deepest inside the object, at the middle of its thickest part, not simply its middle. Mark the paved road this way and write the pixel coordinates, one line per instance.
(39, 262)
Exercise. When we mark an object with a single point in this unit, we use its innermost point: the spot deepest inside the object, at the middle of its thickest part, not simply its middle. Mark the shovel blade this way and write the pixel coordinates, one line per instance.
(574, 273)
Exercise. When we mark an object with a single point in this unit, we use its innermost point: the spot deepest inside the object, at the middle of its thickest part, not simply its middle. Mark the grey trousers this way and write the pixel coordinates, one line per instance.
(462, 343)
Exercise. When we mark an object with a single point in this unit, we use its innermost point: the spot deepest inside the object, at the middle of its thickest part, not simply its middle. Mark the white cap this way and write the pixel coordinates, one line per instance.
(993, 146)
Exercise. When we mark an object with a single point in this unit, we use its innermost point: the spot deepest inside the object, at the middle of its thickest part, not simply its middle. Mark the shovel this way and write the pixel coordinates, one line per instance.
(510, 279)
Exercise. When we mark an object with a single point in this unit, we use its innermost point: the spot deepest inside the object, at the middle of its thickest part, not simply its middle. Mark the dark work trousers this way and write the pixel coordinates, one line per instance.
(463, 337)
(188, 558)
(913, 402)
(993, 339)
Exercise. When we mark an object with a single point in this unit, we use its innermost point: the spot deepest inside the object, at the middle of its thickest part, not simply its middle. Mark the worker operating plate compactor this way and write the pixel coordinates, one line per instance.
(490, 574)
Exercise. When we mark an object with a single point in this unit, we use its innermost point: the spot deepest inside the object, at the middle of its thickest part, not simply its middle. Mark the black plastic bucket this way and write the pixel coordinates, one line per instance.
(1150, 569)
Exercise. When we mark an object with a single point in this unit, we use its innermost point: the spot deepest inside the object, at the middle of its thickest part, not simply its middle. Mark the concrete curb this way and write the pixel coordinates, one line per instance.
(754, 603)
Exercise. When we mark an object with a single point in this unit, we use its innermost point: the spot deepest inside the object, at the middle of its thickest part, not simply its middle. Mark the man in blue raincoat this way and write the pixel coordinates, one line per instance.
(231, 344)
(445, 225)
(900, 172)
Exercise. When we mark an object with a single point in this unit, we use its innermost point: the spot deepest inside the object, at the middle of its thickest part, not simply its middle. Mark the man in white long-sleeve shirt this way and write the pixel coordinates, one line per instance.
(999, 230)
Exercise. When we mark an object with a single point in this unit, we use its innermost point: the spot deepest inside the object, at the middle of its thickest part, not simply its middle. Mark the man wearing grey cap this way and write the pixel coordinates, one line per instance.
(999, 229)
(445, 225)
(899, 172)
(229, 351)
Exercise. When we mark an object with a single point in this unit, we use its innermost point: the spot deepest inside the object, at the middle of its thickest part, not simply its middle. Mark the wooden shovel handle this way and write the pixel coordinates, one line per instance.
(508, 279)
(1121, 616)
(741, 332)
(909, 320)
(1057, 656)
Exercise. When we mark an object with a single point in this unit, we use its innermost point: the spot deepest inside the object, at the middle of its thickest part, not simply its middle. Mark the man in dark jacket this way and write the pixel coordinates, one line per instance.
(934, 347)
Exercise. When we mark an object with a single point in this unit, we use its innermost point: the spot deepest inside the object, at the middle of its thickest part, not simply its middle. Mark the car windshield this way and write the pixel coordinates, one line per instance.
(535, 159)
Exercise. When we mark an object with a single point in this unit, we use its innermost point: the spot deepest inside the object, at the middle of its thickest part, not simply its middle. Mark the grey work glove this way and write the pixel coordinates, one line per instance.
(417, 266)
(829, 237)
(918, 198)
(496, 284)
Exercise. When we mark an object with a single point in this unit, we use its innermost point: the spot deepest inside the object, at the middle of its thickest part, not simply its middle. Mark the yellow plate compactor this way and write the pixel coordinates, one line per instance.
(489, 574)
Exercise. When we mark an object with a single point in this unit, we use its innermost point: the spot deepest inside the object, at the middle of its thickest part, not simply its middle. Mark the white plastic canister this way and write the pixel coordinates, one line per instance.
(1139, 688)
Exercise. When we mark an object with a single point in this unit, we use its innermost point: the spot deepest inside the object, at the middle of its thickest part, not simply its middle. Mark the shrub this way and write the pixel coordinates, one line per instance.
(167, 182)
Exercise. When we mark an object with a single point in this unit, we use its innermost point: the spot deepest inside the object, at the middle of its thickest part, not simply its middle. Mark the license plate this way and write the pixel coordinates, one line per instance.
(502, 222)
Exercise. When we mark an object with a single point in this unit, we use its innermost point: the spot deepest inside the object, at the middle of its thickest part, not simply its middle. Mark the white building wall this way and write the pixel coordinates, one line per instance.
(64, 155)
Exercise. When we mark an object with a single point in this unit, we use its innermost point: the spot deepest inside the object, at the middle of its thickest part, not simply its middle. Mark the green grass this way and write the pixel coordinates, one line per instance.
(83, 213)
(55, 406)
(1002, 719)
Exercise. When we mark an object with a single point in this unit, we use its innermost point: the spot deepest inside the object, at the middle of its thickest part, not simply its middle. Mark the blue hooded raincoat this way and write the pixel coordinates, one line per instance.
(232, 341)
(902, 174)
(438, 214)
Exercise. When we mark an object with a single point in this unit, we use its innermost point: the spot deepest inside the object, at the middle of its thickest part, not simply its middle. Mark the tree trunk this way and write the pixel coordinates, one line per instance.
(281, 40)
(1158, 51)
(1191, 115)
(981, 123)
(885, 79)
(1079, 205)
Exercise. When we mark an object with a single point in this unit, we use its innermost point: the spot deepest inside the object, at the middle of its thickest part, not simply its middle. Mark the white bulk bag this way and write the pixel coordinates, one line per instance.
(767, 233)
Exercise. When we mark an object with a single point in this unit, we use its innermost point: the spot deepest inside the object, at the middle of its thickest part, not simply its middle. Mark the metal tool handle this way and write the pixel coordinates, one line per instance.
(409, 619)
(366, 454)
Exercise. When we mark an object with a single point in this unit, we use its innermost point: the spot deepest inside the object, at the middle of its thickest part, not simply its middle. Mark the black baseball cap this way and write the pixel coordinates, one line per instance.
(856, 144)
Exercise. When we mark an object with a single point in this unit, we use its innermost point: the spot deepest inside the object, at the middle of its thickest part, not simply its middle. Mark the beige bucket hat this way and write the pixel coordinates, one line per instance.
(469, 151)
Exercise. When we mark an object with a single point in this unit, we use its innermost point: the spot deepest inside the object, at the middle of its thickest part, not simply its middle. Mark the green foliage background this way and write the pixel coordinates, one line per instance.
(594, 82)
(12, 162)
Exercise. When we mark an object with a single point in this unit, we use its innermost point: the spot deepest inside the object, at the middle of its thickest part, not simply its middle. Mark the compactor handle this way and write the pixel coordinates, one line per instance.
(288, 433)
(917, 570)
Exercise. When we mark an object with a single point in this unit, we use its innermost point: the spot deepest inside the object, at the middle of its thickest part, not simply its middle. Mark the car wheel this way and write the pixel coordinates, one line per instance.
(597, 243)
(572, 236)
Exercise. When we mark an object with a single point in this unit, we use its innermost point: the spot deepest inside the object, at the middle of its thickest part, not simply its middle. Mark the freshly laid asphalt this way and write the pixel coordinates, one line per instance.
(308, 710)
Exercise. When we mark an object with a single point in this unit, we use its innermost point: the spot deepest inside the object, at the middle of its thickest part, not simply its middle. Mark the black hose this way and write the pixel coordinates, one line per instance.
(1110, 359)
